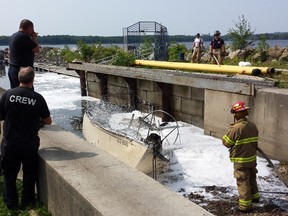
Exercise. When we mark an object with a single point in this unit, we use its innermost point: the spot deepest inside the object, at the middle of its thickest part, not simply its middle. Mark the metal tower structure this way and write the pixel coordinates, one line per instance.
(134, 36)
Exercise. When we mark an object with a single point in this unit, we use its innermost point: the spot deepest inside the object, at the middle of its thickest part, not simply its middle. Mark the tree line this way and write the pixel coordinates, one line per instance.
(70, 39)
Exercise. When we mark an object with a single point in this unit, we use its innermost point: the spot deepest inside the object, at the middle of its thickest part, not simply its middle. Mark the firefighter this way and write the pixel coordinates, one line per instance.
(242, 141)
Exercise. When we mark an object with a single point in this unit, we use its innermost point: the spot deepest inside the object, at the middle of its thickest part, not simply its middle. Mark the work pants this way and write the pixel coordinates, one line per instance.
(196, 54)
(13, 153)
(218, 54)
(246, 185)
(13, 76)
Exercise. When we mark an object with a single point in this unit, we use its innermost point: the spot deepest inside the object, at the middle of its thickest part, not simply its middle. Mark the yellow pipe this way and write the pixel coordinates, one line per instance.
(206, 67)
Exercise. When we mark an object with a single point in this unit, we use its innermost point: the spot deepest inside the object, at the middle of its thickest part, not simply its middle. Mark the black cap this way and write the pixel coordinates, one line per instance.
(217, 32)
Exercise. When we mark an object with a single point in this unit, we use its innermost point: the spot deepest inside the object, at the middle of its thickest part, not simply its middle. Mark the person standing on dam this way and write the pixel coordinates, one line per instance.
(22, 45)
(242, 141)
(217, 48)
(21, 108)
(197, 48)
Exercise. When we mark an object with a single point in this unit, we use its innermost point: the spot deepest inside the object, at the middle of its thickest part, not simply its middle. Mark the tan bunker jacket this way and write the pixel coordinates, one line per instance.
(242, 141)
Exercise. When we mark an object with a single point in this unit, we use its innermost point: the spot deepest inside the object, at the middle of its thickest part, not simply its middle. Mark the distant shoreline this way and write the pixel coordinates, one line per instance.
(272, 43)
(72, 39)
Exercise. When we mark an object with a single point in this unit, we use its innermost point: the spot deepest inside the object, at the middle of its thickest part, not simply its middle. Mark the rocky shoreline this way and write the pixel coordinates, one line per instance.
(50, 55)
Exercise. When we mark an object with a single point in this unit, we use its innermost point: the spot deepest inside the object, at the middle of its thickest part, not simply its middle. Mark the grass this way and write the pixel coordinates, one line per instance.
(281, 76)
(4, 211)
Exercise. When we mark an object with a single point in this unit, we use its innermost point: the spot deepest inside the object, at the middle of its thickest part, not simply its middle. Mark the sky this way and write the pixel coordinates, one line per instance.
(109, 17)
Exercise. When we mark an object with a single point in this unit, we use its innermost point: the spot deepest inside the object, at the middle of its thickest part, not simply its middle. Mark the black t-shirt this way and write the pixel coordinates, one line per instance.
(22, 109)
(217, 44)
(21, 46)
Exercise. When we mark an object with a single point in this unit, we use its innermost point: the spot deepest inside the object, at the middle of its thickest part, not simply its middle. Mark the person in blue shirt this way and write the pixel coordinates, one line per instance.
(217, 48)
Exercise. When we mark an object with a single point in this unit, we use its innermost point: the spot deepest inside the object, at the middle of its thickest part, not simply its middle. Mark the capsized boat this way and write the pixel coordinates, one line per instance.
(138, 143)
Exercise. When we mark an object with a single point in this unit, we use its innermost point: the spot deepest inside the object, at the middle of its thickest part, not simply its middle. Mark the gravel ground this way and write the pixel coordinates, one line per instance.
(224, 204)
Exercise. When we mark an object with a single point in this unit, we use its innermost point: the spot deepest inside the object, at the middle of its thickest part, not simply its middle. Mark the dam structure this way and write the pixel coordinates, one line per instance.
(201, 99)
(89, 181)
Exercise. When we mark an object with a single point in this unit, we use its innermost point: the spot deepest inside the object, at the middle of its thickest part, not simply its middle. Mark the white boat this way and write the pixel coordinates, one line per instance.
(132, 152)
(137, 153)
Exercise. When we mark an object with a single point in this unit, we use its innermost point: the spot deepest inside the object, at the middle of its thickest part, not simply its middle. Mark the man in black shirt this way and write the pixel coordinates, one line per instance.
(22, 45)
(21, 108)
(217, 48)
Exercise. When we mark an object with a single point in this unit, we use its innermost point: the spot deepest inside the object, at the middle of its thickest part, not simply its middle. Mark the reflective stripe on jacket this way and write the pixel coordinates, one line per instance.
(242, 141)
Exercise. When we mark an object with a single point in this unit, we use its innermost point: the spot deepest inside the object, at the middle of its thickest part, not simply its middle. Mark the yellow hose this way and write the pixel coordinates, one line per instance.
(206, 67)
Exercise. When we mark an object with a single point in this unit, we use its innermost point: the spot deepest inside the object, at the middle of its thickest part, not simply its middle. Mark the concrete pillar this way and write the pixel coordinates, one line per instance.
(132, 92)
(82, 82)
(166, 99)
(103, 86)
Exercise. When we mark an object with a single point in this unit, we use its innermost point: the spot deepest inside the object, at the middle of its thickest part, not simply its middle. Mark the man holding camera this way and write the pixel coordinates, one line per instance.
(23, 45)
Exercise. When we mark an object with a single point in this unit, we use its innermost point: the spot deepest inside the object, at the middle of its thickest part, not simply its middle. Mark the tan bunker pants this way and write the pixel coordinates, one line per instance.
(246, 185)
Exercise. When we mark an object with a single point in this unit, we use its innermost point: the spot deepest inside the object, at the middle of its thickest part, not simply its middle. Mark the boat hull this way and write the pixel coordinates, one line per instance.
(130, 151)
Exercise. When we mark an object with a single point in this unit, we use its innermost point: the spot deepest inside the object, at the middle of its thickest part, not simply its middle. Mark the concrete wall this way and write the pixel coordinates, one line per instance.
(209, 109)
(269, 112)
(93, 85)
(187, 103)
(149, 95)
(118, 90)
(77, 178)
(217, 116)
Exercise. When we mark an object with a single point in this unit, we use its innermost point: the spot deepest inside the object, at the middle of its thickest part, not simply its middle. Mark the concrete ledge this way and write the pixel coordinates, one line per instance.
(77, 178)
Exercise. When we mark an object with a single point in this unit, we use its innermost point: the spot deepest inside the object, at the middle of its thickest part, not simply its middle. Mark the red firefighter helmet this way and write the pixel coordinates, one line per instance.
(238, 107)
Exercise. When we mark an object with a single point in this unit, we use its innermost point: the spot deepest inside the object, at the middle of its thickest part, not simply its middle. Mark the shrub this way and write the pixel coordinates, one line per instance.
(174, 51)
(123, 58)
(86, 51)
(262, 45)
(67, 54)
(240, 34)
(101, 52)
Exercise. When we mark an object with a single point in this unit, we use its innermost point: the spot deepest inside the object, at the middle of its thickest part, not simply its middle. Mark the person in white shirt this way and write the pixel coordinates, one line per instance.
(197, 48)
